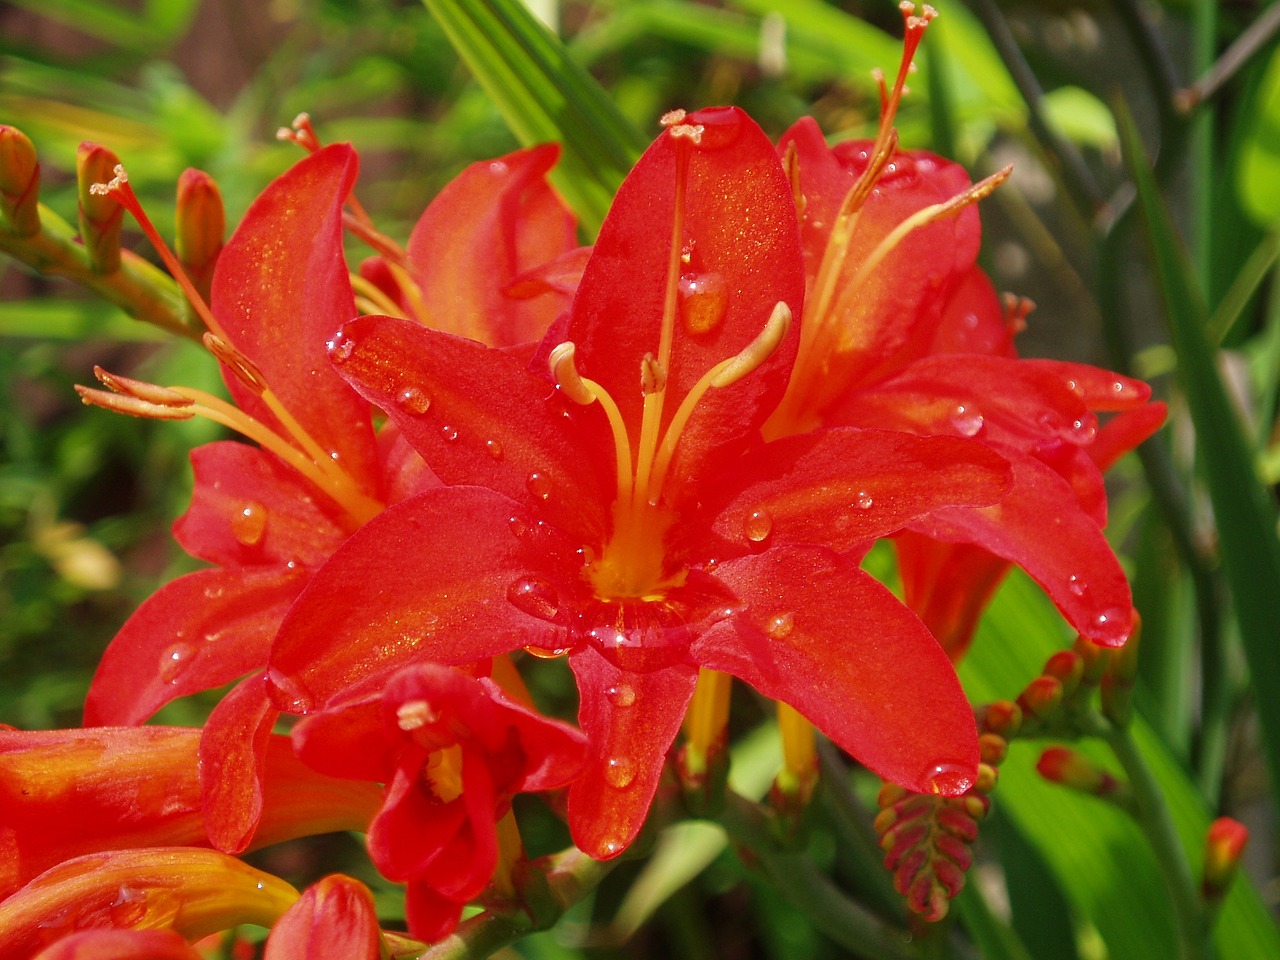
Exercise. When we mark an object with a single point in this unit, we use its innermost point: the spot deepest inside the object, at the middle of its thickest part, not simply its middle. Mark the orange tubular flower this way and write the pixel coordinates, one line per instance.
(64, 793)
(190, 891)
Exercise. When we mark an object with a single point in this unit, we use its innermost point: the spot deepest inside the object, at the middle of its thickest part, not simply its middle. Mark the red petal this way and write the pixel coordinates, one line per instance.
(630, 720)
(973, 320)
(1124, 432)
(894, 315)
(431, 917)
(426, 580)
(741, 238)
(121, 945)
(248, 508)
(281, 290)
(233, 750)
(196, 633)
(478, 416)
(413, 829)
(827, 638)
(1040, 528)
(1101, 390)
(348, 740)
(493, 222)
(335, 917)
(843, 486)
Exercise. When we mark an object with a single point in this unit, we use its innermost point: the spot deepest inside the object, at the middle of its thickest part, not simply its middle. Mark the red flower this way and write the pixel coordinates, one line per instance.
(650, 533)
(452, 750)
(902, 331)
(334, 917)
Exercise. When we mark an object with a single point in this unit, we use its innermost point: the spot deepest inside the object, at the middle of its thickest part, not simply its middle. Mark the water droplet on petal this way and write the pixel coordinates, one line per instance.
(450, 433)
(1076, 586)
(341, 348)
(493, 448)
(249, 523)
(609, 847)
(546, 653)
(721, 127)
(412, 400)
(758, 525)
(499, 168)
(780, 627)
(1074, 387)
(539, 485)
(948, 778)
(519, 527)
(704, 300)
(535, 596)
(1086, 431)
(967, 420)
(175, 660)
(288, 693)
(622, 696)
(619, 772)
(864, 500)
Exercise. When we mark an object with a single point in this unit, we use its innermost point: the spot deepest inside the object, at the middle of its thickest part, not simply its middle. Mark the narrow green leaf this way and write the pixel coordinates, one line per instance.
(1100, 857)
(1245, 516)
(1258, 161)
(1246, 284)
(544, 95)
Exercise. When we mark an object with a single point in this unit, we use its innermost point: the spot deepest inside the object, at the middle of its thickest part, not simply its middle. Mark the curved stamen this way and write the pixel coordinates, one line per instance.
(585, 392)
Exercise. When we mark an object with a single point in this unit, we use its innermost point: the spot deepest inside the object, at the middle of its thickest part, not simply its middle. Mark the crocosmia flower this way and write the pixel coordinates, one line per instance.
(615, 503)
(453, 750)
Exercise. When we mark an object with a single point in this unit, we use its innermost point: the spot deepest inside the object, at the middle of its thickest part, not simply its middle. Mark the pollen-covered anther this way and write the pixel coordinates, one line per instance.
(688, 131)
(141, 389)
(672, 117)
(301, 132)
(113, 185)
(415, 714)
(758, 350)
(131, 405)
(244, 368)
(566, 375)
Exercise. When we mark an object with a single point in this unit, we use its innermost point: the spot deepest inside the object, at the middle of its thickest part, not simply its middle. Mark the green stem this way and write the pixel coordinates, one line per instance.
(795, 877)
(137, 287)
(1156, 822)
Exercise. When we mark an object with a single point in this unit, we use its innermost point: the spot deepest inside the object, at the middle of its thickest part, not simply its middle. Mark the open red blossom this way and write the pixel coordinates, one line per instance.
(452, 750)
(615, 502)
(902, 331)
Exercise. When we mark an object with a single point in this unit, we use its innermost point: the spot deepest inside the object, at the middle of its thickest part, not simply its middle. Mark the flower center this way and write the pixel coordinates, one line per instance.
(632, 562)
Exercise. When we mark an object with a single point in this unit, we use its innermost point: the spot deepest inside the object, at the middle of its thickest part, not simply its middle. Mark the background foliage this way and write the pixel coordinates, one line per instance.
(1143, 218)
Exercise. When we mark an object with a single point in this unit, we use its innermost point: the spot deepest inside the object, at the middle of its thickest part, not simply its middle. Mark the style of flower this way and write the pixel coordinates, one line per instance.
(903, 331)
(452, 750)
(266, 517)
(623, 510)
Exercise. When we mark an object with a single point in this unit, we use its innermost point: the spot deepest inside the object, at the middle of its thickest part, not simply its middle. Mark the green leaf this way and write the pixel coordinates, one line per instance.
(1080, 117)
(545, 95)
(1258, 161)
(1245, 516)
(1100, 857)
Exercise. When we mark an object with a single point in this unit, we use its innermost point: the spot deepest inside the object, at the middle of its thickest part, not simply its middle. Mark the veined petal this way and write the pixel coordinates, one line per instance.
(281, 290)
(493, 222)
(825, 637)
(248, 509)
(428, 579)
(741, 241)
(106, 944)
(1039, 527)
(630, 719)
(478, 416)
(844, 486)
(194, 892)
(196, 633)
(334, 917)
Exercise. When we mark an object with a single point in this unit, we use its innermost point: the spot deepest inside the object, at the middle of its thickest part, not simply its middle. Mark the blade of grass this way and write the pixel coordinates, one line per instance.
(1245, 515)
(544, 95)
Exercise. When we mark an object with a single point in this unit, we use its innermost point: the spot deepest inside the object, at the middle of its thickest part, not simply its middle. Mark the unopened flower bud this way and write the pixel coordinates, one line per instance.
(201, 226)
(1117, 682)
(1068, 667)
(101, 215)
(1094, 660)
(19, 182)
(1224, 845)
(1041, 698)
(1067, 767)
(1004, 717)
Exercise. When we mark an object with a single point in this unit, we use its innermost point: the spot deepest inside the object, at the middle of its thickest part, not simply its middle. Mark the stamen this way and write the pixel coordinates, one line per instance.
(581, 390)
(244, 369)
(414, 714)
(791, 167)
(653, 378)
(150, 392)
(371, 299)
(565, 372)
(301, 132)
(1016, 311)
(133, 406)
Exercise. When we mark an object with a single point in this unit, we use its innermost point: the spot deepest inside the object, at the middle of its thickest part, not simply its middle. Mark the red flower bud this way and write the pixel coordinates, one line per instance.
(1075, 770)
(201, 226)
(101, 215)
(1224, 845)
(19, 182)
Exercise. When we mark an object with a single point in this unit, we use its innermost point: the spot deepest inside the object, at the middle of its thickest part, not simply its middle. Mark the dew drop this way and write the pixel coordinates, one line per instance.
(175, 660)
(622, 695)
(1076, 586)
(619, 772)
(519, 527)
(864, 500)
(499, 168)
(948, 778)
(610, 847)
(249, 523)
(546, 653)
(1074, 387)
(493, 448)
(539, 485)
(412, 400)
(704, 301)
(1085, 430)
(758, 525)
(341, 349)
(780, 627)
(721, 127)
(534, 596)
(288, 693)
(966, 419)
(450, 433)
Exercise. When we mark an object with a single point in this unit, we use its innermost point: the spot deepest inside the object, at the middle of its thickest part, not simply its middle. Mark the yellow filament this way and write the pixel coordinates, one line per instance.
(375, 297)
(707, 718)
(412, 292)
(799, 757)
